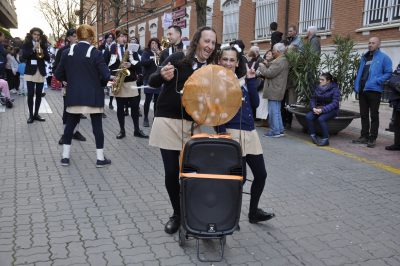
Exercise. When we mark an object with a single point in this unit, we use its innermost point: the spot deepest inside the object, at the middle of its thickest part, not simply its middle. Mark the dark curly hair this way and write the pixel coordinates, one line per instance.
(43, 38)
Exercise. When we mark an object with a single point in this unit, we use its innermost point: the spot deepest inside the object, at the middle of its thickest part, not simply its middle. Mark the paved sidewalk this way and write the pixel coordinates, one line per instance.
(331, 209)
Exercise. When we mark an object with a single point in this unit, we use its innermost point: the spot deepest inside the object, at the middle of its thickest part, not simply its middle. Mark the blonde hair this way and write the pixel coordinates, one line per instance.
(85, 32)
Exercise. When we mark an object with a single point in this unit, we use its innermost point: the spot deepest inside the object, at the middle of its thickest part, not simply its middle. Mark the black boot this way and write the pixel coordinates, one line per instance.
(173, 224)
(121, 134)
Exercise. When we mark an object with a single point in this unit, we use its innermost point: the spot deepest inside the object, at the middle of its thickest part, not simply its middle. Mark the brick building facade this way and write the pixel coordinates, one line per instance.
(249, 20)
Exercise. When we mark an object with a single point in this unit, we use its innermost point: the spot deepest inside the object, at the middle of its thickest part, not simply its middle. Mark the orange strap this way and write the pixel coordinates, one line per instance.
(211, 136)
(211, 176)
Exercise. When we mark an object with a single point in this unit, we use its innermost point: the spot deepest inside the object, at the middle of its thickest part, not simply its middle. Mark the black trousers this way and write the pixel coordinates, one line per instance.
(257, 167)
(171, 168)
(130, 102)
(369, 107)
(147, 101)
(34, 88)
(396, 126)
(97, 127)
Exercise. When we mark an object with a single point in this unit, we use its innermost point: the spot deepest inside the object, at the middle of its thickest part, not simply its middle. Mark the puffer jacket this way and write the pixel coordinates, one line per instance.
(327, 97)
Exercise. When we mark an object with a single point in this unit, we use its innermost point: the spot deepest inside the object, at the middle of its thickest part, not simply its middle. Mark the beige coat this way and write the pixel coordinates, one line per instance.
(276, 75)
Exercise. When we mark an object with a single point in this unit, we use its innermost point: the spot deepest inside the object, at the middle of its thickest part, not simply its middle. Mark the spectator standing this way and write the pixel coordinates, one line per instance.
(294, 39)
(3, 57)
(276, 74)
(313, 39)
(276, 36)
(375, 68)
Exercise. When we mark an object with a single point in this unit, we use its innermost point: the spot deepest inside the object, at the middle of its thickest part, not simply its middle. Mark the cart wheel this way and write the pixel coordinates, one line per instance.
(182, 236)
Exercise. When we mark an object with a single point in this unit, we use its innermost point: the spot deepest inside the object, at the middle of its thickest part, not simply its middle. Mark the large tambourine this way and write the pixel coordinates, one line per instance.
(212, 95)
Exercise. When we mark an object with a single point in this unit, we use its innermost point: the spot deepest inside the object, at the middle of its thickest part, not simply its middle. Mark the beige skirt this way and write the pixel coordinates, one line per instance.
(37, 78)
(250, 141)
(84, 110)
(128, 90)
(166, 133)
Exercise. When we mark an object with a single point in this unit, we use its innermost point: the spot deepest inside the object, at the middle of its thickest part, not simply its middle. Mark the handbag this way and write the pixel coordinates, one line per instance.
(55, 84)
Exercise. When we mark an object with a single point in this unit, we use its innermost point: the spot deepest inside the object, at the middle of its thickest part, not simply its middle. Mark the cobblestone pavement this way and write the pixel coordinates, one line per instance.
(331, 210)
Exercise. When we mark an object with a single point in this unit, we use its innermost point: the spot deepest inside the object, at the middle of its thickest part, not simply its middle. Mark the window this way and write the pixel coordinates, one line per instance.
(266, 12)
(153, 27)
(209, 15)
(132, 5)
(381, 12)
(230, 20)
(315, 13)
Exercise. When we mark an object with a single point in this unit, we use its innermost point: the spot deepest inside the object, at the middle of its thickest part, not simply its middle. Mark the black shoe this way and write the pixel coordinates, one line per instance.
(65, 161)
(146, 122)
(30, 120)
(360, 140)
(102, 163)
(121, 135)
(104, 115)
(61, 141)
(78, 136)
(111, 106)
(371, 143)
(140, 134)
(314, 139)
(323, 142)
(39, 118)
(43, 94)
(393, 148)
(172, 225)
(83, 116)
(260, 216)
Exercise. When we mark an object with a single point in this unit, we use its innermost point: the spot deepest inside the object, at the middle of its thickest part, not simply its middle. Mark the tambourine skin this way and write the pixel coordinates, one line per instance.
(212, 95)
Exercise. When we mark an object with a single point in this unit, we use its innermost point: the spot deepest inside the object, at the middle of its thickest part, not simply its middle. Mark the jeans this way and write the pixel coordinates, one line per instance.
(369, 105)
(275, 117)
(321, 119)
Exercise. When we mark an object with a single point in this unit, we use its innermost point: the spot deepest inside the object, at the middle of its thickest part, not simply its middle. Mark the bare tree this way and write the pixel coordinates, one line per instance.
(63, 15)
(201, 11)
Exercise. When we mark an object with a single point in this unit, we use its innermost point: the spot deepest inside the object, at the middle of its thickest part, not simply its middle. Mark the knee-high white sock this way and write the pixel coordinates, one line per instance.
(100, 154)
(66, 151)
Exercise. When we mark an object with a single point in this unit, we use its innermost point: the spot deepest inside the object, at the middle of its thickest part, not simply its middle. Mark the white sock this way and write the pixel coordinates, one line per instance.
(66, 151)
(100, 154)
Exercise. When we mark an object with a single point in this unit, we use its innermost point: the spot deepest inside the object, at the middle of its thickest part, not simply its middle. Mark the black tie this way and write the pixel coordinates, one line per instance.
(122, 50)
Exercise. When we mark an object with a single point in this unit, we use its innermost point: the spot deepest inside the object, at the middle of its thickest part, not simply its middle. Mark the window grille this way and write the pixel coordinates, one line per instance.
(209, 17)
(231, 20)
(381, 12)
(315, 13)
(266, 12)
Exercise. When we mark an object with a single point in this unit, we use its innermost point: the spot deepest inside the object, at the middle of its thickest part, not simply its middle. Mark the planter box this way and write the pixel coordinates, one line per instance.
(335, 125)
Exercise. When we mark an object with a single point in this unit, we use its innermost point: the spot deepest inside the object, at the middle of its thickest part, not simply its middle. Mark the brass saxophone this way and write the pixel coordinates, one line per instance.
(123, 72)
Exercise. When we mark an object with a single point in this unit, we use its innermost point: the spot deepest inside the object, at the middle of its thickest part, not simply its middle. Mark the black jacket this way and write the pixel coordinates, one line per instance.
(29, 54)
(86, 77)
(169, 101)
(148, 64)
(170, 50)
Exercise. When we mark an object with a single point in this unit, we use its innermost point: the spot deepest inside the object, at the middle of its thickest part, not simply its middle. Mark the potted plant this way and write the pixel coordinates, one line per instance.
(305, 67)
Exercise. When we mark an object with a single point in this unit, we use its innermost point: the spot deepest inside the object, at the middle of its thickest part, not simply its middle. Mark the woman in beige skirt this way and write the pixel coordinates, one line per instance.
(34, 51)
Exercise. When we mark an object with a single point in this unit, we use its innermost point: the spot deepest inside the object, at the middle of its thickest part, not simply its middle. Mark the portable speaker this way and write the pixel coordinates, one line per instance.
(210, 206)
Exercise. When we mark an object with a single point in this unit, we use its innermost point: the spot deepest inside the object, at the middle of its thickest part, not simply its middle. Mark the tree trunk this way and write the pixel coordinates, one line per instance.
(201, 11)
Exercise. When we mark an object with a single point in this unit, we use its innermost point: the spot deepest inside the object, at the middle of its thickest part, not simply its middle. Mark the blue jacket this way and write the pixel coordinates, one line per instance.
(328, 97)
(251, 100)
(85, 76)
(379, 71)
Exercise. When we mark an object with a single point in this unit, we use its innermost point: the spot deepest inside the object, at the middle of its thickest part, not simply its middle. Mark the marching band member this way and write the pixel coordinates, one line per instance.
(243, 124)
(84, 70)
(150, 60)
(105, 48)
(167, 130)
(34, 51)
(128, 96)
(70, 39)
(174, 36)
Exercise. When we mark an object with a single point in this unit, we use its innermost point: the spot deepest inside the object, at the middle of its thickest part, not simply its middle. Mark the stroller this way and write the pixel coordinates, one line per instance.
(211, 189)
